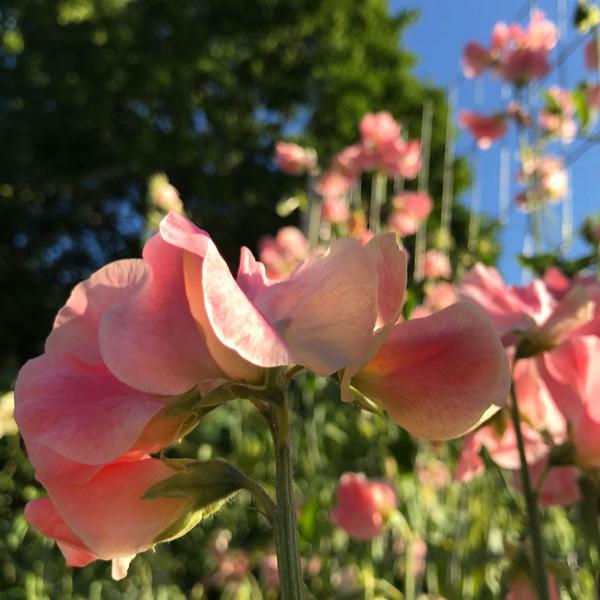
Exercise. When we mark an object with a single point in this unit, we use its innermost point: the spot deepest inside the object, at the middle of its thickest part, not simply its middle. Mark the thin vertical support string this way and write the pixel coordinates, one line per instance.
(474, 216)
(312, 221)
(448, 181)
(398, 185)
(566, 226)
(505, 160)
(423, 185)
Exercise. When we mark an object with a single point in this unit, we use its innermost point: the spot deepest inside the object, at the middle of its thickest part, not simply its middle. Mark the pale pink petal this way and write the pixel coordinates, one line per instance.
(109, 515)
(85, 415)
(42, 515)
(74, 338)
(437, 376)
(238, 335)
(470, 465)
(252, 275)
(326, 309)
(390, 263)
(149, 340)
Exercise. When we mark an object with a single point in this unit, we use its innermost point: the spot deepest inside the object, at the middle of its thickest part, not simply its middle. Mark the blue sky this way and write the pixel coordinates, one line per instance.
(437, 40)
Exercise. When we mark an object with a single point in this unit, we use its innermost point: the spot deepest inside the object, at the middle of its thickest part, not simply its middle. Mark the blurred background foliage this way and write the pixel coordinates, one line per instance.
(97, 95)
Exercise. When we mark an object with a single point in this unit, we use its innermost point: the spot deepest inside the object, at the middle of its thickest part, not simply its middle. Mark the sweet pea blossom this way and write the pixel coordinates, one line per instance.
(436, 265)
(335, 210)
(591, 55)
(294, 159)
(378, 129)
(409, 210)
(485, 129)
(363, 505)
(475, 60)
(546, 181)
(333, 184)
(557, 118)
(284, 252)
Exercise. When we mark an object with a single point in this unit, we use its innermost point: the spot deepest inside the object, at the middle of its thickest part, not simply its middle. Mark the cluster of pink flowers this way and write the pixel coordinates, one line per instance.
(295, 160)
(545, 179)
(517, 55)
(551, 330)
(486, 129)
(140, 334)
(381, 149)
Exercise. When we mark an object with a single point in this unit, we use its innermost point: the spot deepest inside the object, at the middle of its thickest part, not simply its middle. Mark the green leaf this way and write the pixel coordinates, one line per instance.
(207, 485)
(582, 108)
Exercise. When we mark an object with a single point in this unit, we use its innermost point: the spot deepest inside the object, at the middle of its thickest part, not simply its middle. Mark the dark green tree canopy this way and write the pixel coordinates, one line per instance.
(98, 94)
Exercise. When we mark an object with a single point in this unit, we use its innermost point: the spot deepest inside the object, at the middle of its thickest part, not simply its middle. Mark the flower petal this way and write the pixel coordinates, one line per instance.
(238, 335)
(149, 340)
(42, 515)
(108, 513)
(437, 375)
(85, 415)
(326, 309)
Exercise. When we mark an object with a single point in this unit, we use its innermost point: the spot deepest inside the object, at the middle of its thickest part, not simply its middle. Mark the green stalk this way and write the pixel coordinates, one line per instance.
(286, 527)
(589, 507)
(378, 193)
(537, 547)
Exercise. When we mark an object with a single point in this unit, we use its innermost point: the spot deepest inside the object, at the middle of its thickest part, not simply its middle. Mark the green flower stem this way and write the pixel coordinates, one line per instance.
(589, 506)
(286, 526)
(539, 566)
(378, 193)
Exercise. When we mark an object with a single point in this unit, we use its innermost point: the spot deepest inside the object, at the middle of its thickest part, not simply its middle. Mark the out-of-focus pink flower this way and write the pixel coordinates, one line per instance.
(524, 64)
(351, 161)
(333, 184)
(409, 210)
(436, 265)
(470, 465)
(591, 55)
(559, 486)
(378, 129)
(334, 210)
(541, 33)
(293, 159)
(501, 38)
(486, 129)
(284, 252)
(475, 60)
(269, 573)
(522, 588)
(440, 295)
(363, 505)
(572, 374)
(401, 159)
(232, 567)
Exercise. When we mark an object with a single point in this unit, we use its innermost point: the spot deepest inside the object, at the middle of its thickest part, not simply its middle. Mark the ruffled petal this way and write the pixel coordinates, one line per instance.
(85, 415)
(326, 310)
(437, 376)
(42, 515)
(108, 513)
(238, 335)
(148, 339)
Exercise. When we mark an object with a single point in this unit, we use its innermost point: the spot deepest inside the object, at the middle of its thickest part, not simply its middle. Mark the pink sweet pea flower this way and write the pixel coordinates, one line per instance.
(293, 159)
(333, 184)
(410, 209)
(524, 64)
(334, 210)
(378, 129)
(401, 159)
(593, 96)
(351, 161)
(475, 60)
(557, 118)
(284, 252)
(363, 505)
(436, 265)
(541, 33)
(485, 129)
(501, 38)
(106, 518)
(440, 295)
(572, 375)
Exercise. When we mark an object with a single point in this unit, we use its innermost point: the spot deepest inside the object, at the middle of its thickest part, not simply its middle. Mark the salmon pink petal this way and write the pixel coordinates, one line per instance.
(252, 275)
(438, 375)
(87, 416)
(326, 309)
(238, 335)
(149, 340)
(108, 513)
(470, 465)
(74, 338)
(389, 261)
(42, 515)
